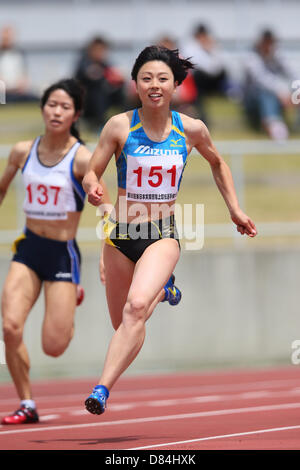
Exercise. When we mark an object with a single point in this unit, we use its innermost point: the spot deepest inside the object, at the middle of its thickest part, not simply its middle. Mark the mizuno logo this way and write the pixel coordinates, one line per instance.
(175, 143)
(147, 150)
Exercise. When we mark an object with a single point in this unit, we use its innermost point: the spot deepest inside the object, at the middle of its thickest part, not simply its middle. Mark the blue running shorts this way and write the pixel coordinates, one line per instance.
(51, 260)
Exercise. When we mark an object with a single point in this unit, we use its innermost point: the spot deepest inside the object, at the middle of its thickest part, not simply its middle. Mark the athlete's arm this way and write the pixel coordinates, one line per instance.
(108, 145)
(16, 160)
(201, 139)
(81, 162)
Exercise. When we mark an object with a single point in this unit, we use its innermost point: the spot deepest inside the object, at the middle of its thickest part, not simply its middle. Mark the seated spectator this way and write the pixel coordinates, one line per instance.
(186, 95)
(210, 74)
(167, 41)
(267, 93)
(103, 83)
(13, 71)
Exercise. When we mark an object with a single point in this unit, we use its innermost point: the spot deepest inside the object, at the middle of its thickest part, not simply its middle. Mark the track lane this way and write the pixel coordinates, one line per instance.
(240, 407)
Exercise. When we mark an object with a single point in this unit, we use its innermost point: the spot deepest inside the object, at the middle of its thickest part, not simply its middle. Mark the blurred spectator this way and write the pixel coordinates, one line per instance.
(13, 70)
(186, 94)
(267, 92)
(167, 41)
(103, 83)
(210, 74)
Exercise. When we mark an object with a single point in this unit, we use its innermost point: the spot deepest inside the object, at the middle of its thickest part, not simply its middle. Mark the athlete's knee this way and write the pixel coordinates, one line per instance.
(55, 347)
(54, 350)
(135, 309)
(12, 332)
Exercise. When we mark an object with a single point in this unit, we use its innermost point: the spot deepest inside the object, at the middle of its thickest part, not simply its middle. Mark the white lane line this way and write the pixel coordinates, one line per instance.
(195, 400)
(152, 419)
(261, 394)
(222, 436)
(188, 400)
(49, 418)
(199, 389)
(76, 411)
(116, 407)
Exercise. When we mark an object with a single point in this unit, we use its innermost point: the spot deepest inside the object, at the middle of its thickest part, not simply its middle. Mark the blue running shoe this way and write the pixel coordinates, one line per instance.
(96, 402)
(172, 293)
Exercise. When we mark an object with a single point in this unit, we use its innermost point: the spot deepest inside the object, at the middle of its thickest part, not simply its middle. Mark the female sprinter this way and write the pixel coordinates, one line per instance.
(52, 166)
(151, 145)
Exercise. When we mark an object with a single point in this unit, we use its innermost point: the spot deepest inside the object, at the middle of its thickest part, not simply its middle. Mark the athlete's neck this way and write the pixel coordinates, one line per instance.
(52, 149)
(57, 142)
(158, 122)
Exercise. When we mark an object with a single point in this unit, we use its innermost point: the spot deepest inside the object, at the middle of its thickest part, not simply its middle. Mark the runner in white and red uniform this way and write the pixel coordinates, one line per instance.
(46, 253)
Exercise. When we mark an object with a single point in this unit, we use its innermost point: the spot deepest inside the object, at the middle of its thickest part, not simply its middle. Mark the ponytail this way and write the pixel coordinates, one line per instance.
(75, 133)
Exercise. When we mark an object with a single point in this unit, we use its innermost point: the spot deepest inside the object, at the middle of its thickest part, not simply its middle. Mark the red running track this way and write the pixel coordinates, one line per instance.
(237, 410)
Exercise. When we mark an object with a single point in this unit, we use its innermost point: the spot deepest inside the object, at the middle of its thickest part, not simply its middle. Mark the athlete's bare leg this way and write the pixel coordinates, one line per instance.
(118, 277)
(151, 273)
(58, 325)
(118, 274)
(20, 292)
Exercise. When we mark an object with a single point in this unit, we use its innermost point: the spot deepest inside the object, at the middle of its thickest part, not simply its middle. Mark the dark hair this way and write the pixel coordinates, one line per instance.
(201, 29)
(179, 66)
(73, 88)
(98, 40)
(267, 35)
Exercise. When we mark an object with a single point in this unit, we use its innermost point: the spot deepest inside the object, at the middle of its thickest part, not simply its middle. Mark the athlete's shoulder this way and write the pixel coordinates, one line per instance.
(120, 121)
(193, 128)
(117, 128)
(22, 147)
(191, 124)
(83, 154)
(81, 160)
(20, 151)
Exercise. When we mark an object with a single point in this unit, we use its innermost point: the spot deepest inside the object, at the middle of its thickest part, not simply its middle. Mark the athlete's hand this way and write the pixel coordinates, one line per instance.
(244, 224)
(95, 194)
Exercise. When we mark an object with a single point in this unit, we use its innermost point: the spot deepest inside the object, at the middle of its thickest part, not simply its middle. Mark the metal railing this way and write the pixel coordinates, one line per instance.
(237, 151)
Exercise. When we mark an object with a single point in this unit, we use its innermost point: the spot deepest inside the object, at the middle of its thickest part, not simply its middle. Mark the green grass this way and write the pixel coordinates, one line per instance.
(227, 122)
(272, 191)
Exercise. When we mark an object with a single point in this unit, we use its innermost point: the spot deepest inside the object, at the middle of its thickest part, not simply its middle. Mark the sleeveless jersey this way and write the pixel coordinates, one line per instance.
(152, 171)
(51, 191)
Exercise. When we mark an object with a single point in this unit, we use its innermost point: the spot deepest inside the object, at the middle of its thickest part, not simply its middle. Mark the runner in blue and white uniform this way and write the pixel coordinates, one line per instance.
(144, 182)
(46, 253)
(151, 145)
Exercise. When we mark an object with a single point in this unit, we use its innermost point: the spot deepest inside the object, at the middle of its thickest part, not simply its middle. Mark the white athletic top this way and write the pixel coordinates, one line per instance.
(51, 191)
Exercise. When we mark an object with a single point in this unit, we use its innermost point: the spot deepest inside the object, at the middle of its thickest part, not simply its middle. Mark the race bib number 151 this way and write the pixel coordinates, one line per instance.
(153, 175)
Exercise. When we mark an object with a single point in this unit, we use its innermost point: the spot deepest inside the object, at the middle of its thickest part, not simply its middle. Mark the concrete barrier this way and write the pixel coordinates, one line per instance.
(238, 308)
